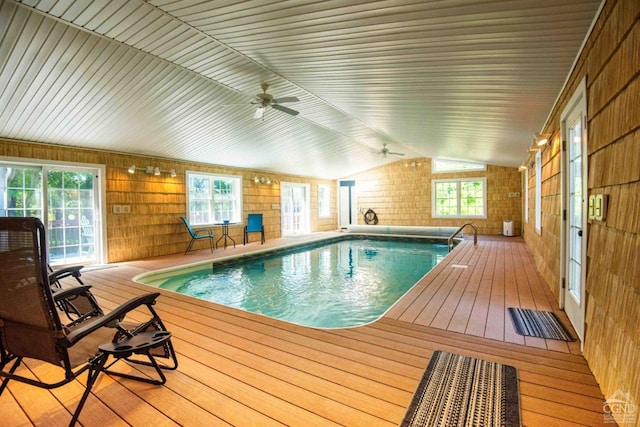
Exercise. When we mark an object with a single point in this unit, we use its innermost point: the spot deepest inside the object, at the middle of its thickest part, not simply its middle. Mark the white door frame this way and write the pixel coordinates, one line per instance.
(100, 226)
(575, 109)
(305, 220)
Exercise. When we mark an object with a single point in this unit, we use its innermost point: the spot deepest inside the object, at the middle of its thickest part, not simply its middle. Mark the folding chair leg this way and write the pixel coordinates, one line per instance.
(96, 368)
(11, 372)
(141, 344)
(152, 362)
(189, 247)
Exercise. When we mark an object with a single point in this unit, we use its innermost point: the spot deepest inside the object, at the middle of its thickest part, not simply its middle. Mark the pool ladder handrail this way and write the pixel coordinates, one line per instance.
(475, 234)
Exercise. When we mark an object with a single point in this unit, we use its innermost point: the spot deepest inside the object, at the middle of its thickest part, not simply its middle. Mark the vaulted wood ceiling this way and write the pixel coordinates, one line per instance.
(459, 79)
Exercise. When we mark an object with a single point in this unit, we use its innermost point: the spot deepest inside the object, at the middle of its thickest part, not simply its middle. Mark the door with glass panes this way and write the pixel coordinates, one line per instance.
(70, 214)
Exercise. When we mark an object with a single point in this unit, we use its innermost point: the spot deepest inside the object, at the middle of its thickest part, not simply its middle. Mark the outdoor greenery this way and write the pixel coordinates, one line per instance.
(23, 191)
(214, 199)
(70, 206)
(459, 198)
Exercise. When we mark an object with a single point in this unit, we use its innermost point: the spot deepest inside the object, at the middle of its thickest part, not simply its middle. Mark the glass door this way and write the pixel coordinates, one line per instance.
(70, 214)
(295, 208)
(574, 248)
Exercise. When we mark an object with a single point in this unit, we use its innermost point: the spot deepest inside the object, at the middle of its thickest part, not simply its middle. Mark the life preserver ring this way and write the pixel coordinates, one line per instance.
(370, 217)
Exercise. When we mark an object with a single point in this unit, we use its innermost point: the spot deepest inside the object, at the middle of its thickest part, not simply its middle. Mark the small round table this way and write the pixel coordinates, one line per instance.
(225, 234)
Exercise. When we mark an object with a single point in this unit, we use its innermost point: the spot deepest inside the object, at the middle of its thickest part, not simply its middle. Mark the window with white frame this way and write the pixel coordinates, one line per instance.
(324, 201)
(213, 199)
(538, 191)
(443, 166)
(459, 198)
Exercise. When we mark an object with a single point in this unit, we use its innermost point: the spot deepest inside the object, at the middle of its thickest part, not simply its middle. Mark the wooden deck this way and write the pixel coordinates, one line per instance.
(242, 369)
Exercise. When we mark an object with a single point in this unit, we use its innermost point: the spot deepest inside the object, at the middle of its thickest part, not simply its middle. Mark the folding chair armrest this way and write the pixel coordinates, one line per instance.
(60, 294)
(204, 230)
(117, 314)
(65, 272)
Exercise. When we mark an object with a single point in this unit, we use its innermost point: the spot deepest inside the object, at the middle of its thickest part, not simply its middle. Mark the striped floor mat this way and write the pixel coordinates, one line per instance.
(536, 323)
(462, 391)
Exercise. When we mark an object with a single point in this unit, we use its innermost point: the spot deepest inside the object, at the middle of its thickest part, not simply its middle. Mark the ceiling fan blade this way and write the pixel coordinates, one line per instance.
(286, 110)
(395, 154)
(259, 113)
(285, 99)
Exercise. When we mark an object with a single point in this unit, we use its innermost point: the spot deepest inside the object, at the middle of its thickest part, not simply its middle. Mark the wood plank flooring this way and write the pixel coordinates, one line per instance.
(242, 369)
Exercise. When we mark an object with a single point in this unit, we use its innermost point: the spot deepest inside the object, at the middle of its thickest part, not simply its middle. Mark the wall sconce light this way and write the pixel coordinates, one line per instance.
(540, 140)
(152, 170)
(534, 147)
(263, 180)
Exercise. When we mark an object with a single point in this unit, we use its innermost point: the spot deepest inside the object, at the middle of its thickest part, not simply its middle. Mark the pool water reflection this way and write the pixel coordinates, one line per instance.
(339, 284)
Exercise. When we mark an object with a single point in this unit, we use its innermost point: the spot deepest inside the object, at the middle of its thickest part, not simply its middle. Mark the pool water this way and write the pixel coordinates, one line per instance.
(340, 284)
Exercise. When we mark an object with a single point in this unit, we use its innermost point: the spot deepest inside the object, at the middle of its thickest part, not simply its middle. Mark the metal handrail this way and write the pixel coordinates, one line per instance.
(475, 234)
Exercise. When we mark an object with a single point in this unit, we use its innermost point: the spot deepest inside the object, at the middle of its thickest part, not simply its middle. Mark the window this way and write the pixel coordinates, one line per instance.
(539, 191)
(324, 201)
(463, 198)
(214, 198)
(442, 166)
(22, 191)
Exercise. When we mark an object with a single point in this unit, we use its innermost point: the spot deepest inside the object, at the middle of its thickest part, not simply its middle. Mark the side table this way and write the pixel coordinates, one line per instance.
(225, 234)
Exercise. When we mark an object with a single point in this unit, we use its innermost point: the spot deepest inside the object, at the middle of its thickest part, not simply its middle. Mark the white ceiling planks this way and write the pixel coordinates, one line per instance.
(460, 79)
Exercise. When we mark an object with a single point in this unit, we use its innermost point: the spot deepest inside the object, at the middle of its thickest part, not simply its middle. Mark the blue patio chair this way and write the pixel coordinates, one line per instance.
(254, 225)
(197, 234)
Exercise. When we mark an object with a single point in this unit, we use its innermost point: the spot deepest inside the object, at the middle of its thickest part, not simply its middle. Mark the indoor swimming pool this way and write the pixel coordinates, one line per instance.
(345, 282)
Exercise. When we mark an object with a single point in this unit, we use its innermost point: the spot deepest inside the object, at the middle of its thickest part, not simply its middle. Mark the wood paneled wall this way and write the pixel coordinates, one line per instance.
(153, 226)
(547, 241)
(401, 195)
(611, 63)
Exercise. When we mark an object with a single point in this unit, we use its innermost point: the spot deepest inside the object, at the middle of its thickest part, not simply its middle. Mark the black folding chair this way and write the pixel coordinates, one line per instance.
(31, 328)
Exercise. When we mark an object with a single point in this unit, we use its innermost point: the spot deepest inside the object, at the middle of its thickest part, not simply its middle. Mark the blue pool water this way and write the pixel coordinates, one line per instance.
(339, 284)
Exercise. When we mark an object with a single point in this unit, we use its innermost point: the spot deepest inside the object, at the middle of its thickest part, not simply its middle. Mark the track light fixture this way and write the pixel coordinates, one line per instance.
(412, 164)
(156, 171)
(263, 180)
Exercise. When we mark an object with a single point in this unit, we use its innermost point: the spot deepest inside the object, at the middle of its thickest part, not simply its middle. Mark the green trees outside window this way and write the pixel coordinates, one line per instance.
(459, 198)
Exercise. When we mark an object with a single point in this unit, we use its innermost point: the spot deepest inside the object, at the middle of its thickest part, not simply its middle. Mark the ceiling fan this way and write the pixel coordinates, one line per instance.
(385, 152)
(265, 100)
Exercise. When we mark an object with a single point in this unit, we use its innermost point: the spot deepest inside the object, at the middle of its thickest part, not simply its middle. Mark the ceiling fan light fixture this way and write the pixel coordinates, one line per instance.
(265, 100)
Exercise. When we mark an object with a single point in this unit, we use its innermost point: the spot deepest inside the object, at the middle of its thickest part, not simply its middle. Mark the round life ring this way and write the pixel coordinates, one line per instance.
(370, 217)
